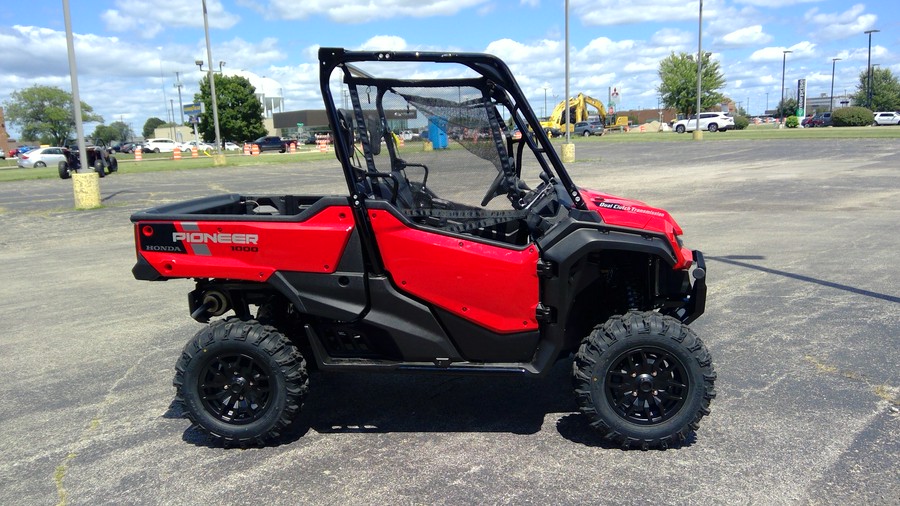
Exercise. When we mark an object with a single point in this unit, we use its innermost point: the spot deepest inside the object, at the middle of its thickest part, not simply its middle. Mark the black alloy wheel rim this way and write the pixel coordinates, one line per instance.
(646, 386)
(235, 388)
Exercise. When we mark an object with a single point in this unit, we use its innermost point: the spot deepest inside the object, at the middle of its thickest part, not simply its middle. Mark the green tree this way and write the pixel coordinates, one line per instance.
(117, 131)
(150, 126)
(45, 113)
(240, 112)
(885, 90)
(787, 107)
(678, 83)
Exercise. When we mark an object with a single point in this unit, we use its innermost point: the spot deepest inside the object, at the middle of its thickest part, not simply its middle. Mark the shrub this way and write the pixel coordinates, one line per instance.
(741, 122)
(852, 116)
(791, 122)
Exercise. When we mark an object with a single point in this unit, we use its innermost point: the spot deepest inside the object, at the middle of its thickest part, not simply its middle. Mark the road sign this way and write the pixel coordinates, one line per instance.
(193, 109)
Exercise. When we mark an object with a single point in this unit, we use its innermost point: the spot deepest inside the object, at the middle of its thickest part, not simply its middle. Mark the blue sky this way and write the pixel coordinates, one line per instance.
(128, 51)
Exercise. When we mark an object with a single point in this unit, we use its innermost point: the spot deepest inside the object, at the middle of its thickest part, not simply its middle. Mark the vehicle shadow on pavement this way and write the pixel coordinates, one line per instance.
(347, 403)
(734, 260)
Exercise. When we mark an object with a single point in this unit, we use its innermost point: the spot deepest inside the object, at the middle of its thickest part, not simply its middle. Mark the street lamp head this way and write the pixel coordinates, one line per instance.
(836, 59)
(870, 32)
(786, 51)
(199, 63)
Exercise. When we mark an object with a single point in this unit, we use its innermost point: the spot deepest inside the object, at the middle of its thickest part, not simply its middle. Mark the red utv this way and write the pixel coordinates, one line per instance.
(479, 255)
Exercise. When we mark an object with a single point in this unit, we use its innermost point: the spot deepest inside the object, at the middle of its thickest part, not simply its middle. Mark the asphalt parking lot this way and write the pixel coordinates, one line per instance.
(801, 240)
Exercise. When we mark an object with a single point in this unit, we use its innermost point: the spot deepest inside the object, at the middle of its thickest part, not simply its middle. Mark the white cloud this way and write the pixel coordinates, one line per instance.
(744, 37)
(619, 12)
(675, 40)
(775, 3)
(772, 54)
(836, 26)
(361, 11)
(384, 42)
(136, 16)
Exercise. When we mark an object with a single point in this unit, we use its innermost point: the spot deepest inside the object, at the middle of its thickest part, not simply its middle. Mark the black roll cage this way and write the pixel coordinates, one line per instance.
(494, 74)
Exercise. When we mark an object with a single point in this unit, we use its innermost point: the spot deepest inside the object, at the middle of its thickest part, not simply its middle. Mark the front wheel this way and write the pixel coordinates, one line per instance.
(39, 165)
(713, 127)
(680, 129)
(644, 380)
(586, 134)
(98, 168)
(241, 381)
(63, 168)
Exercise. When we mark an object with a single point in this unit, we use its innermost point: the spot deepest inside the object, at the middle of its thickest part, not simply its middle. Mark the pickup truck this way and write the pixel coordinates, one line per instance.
(481, 257)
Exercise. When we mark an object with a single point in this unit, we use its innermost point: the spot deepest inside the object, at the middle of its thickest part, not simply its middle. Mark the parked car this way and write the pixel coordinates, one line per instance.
(41, 157)
(128, 147)
(271, 143)
(588, 128)
(712, 121)
(159, 145)
(821, 119)
(230, 146)
(201, 146)
(887, 118)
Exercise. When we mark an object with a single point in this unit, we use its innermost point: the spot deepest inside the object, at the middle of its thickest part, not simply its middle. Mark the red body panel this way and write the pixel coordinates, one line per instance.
(636, 214)
(493, 286)
(246, 250)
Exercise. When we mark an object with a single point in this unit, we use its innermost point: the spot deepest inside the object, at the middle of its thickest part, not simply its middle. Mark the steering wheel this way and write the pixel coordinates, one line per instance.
(494, 189)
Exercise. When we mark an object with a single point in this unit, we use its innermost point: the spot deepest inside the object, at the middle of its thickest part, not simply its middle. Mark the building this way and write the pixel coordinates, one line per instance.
(269, 91)
(821, 103)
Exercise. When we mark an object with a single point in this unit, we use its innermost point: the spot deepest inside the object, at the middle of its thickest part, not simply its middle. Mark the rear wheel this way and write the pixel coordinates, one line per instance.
(644, 380)
(39, 165)
(241, 381)
(586, 134)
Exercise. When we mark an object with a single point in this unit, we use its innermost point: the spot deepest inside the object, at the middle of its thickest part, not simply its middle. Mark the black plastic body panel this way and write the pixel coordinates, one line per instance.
(478, 344)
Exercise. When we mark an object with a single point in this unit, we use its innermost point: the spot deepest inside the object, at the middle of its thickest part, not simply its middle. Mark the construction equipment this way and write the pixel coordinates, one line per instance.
(578, 111)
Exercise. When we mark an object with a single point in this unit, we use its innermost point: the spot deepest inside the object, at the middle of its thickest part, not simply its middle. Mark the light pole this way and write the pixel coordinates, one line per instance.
(697, 133)
(869, 70)
(783, 62)
(545, 101)
(831, 104)
(163, 80)
(212, 86)
(767, 104)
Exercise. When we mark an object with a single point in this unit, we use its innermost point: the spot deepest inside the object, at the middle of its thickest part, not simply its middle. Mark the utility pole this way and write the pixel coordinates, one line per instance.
(179, 86)
(831, 100)
(869, 70)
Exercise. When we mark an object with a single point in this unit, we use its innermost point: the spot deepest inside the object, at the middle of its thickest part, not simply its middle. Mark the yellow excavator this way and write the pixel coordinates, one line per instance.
(555, 124)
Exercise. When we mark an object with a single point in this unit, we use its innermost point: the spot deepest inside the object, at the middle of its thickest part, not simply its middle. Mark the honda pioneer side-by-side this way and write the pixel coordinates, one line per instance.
(473, 252)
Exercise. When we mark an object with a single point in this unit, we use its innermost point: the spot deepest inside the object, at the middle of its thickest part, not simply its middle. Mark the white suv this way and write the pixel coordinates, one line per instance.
(712, 121)
(887, 118)
(159, 145)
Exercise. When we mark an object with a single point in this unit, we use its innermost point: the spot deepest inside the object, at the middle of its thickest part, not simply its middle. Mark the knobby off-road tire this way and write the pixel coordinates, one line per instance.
(63, 168)
(644, 380)
(98, 168)
(241, 381)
